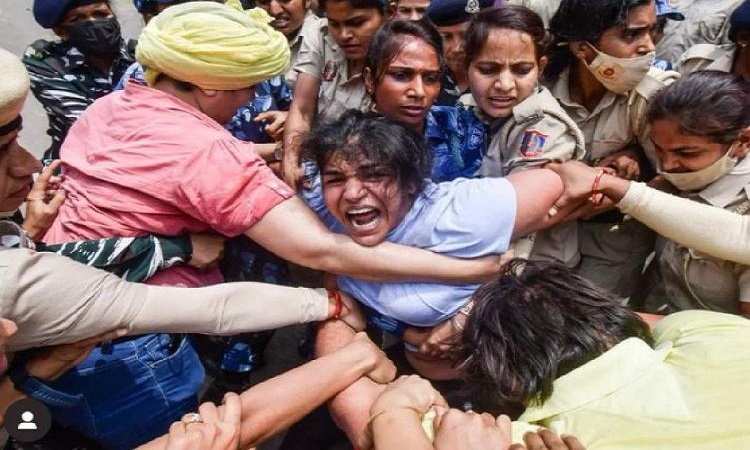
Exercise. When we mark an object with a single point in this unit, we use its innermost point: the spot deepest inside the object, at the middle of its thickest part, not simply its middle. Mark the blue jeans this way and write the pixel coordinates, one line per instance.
(128, 396)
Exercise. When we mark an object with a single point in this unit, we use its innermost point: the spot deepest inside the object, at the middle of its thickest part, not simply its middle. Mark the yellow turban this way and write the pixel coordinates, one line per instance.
(213, 46)
(13, 88)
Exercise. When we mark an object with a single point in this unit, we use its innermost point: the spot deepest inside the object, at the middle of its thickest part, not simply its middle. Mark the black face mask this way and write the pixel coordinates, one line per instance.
(99, 38)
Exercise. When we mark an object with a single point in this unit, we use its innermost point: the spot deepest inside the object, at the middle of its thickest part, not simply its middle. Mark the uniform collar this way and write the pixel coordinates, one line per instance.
(311, 20)
(725, 190)
(614, 370)
(561, 91)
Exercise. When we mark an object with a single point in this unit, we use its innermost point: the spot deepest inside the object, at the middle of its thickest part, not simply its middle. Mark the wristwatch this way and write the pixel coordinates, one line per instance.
(278, 152)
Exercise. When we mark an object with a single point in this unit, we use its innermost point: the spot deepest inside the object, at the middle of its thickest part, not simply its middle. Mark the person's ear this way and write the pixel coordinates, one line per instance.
(369, 80)
(209, 92)
(392, 9)
(542, 64)
(582, 50)
(61, 32)
(741, 150)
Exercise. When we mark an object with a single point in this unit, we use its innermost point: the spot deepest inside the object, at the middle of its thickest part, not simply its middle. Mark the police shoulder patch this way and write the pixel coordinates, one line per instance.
(532, 145)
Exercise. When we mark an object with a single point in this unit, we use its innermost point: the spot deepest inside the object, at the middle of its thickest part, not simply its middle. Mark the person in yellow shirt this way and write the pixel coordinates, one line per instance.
(560, 353)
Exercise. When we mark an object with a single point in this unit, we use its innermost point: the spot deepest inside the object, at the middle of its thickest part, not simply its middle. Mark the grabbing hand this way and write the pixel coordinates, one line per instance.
(291, 171)
(546, 440)
(457, 430)
(626, 163)
(212, 428)
(351, 314)
(51, 362)
(274, 123)
(578, 179)
(208, 250)
(408, 392)
(44, 201)
(382, 370)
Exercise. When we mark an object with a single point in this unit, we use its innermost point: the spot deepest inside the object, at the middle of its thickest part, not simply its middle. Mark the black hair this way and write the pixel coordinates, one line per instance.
(533, 325)
(380, 5)
(356, 136)
(512, 17)
(584, 20)
(393, 36)
(708, 103)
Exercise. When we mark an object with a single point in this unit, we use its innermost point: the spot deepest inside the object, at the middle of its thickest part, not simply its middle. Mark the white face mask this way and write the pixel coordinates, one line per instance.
(693, 181)
(620, 75)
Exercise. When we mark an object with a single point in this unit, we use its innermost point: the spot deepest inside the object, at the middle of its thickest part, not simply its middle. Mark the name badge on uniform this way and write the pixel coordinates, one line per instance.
(532, 145)
(329, 70)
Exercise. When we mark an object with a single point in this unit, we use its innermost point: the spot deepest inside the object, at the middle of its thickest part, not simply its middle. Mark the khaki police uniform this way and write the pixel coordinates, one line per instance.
(310, 27)
(539, 131)
(706, 22)
(695, 280)
(321, 57)
(613, 250)
(545, 8)
(708, 57)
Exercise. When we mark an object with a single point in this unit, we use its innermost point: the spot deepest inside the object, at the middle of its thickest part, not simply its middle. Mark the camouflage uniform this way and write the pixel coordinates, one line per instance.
(65, 84)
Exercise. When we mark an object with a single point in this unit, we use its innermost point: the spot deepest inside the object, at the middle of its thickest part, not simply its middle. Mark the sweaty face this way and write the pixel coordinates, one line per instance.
(409, 85)
(364, 198)
(634, 38)
(504, 73)
(454, 37)
(352, 28)
(681, 153)
(16, 169)
(288, 15)
(411, 9)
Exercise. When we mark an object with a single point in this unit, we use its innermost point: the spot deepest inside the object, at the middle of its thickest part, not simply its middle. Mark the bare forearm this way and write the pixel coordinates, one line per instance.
(301, 114)
(350, 408)
(274, 405)
(613, 187)
(311, 244)
(399, 429)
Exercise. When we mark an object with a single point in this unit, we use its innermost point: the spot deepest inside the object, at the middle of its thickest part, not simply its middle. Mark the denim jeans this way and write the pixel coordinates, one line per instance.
(129, 395)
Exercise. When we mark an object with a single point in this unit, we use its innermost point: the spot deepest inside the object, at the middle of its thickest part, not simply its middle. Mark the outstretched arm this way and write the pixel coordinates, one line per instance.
(55, 300)
(272, 406)
(300, 118)
(662, 212)
(310, 243)
(536, 192)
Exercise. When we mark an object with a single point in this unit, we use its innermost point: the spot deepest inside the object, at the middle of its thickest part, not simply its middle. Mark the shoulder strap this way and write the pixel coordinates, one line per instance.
(639, 98)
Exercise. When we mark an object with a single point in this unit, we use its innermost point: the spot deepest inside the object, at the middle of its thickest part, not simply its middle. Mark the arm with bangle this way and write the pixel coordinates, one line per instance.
(662, 212)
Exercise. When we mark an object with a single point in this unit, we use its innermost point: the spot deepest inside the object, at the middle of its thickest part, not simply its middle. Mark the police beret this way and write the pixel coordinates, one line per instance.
(49, 13)
(740, 19)
(663, 8)
(445, 13)
(140, 4)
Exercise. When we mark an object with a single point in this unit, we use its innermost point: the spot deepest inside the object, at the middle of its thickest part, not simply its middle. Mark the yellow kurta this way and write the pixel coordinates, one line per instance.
(691, 392)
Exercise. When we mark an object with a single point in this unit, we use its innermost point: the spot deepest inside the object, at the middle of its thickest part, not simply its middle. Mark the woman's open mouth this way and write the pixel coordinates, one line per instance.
(363, 219)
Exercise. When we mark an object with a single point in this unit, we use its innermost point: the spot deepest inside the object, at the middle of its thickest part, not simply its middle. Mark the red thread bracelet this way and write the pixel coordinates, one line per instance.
(596, 197)
(334, 294)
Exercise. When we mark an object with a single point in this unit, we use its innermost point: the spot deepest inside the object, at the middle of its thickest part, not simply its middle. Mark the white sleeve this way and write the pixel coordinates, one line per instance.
(717, 232)
(55, 300)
